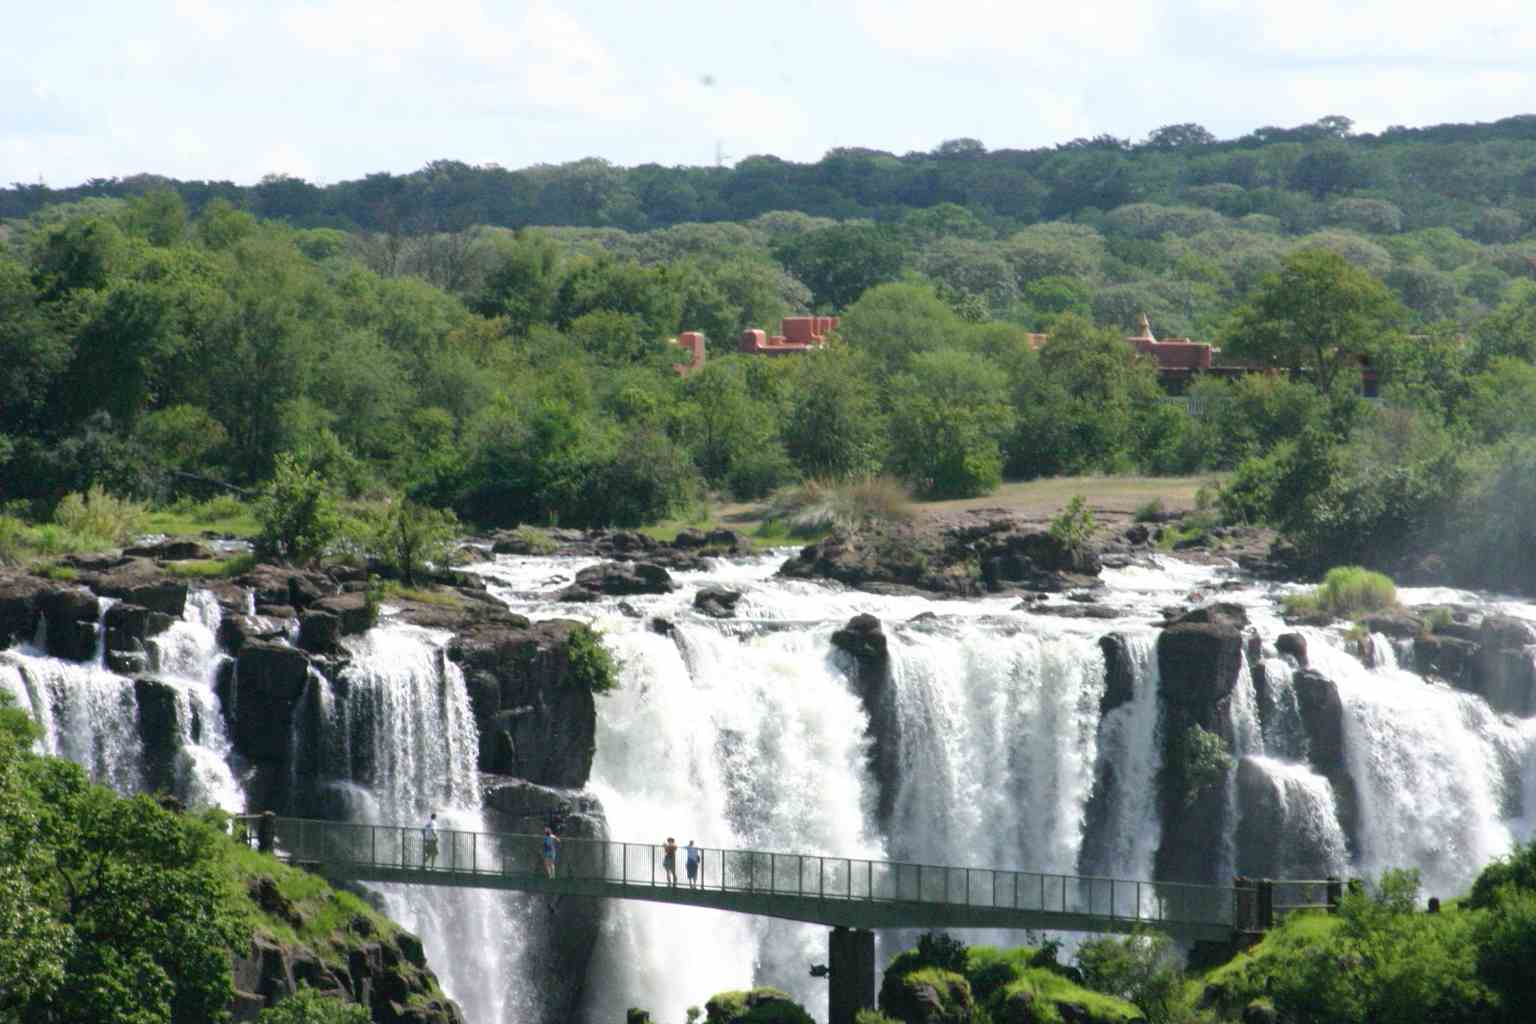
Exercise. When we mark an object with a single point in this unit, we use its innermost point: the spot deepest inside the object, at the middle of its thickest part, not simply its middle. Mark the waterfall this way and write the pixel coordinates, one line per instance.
(86, 714)
(754, 742)
(1427, 762)
(187, 657)
(1130, 756)
(1289, 822)
(401, 746)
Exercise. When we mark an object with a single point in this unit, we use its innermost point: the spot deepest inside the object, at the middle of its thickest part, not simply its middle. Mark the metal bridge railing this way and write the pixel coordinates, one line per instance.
(806, 876)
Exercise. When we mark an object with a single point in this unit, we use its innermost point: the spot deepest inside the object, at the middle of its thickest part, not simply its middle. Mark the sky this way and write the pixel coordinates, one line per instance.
(330, 90)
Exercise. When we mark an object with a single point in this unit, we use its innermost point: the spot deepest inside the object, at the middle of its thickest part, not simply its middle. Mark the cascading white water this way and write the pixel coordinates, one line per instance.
(1130, 750)
(86, 713)
(187, 656)
(751, 743)
(999, 738)
(1302, 837)
(1428, 764)
(406, 722)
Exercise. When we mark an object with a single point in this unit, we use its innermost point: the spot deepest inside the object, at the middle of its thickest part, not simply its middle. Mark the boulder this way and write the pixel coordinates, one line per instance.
(1293, 645)
(1076, 611)
(1446, 657)
(535, 720)
(351, 610)
(71, 614)
(269, 680)
(18, 607)
(320, 632)
(142, 582)
(1322, 716)
(864, 640)
(177, 550)
(128, 626)
(717, 602)
(1400, 625)
(159, 730)
(619, 579)
(1503, 672)
(1119, 672)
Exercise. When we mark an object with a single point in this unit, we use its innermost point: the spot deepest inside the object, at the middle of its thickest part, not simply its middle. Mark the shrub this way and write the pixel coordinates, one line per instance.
(408, 536)
(297, 512)
(13, 534)
(307, 1006)
(1151, 511)
(1201, 760)
(1074, 525)
(97, 514)
(1143, 968)
(1347, 590)
(592, 664)
(817, 506)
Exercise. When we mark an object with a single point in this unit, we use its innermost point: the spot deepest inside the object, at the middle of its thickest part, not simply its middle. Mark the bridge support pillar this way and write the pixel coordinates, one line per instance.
(852, 974)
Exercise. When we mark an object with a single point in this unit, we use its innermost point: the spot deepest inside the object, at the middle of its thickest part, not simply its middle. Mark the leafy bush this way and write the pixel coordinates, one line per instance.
(407, 537)
(1074, 525)
(592, 664)
(97, 514)
(1347, 591)
(1143, 968)
(1201, 760)
(13, 535)
(297, 512)
(307, 1006)
(1151, 511)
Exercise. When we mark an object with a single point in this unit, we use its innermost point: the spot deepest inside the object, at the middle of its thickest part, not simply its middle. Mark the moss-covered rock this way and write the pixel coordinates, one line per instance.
(755, 1006)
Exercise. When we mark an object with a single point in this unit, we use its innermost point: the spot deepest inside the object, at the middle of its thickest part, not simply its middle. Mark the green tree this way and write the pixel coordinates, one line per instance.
(1319, 312)
(297, 512)
(841, 263)
(523, 280)
(835, 426)
(409, 537)
(1144, 968)
(948, 415)
(894, 322)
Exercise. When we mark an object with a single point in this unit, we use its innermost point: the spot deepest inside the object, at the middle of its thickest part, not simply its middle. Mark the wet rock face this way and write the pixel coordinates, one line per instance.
(717, 602)
(1503, 672)
(864, 640)
(535, 720)
(1199, 656)
(160, 732)
(1119, 673)
(1322, 715)
(269, 680)
(71, 613)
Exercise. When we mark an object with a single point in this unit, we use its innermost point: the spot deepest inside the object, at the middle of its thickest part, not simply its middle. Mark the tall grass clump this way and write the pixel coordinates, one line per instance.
(100, 516)
(1346, 591)
(819, 506)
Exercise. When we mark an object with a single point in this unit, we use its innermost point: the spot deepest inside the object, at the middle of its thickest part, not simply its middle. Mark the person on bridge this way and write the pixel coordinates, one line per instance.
(429, 842)
(692, 863)
(669, 860)
(551, 852)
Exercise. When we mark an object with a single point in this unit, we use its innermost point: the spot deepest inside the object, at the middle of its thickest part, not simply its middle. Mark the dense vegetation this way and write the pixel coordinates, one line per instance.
(412, 343)
(119, 910)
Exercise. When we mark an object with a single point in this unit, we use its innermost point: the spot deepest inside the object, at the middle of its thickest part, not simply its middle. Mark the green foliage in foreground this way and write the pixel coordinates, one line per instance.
(1199, 760)
(306, 1006)
(762, 1005)
(1346, 591)
(112, 910)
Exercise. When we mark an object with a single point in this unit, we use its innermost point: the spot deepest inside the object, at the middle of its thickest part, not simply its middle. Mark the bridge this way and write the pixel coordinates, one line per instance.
(850, 895)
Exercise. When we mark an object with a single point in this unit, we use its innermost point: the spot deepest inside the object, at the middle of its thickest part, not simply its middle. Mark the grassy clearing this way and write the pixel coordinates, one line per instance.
(394, 590)
(1347, 591)
(225, 514)
(212, 568)
(1045, 498)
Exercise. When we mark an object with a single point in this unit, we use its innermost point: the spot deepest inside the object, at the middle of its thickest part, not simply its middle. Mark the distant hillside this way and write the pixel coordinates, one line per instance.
(1479, 179)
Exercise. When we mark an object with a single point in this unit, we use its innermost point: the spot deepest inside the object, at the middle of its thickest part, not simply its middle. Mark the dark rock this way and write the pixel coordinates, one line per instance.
(862, 637)
(410, 946)
(661, 626)
(172, 551)
(18, 607)
(1399, 624)
(1137, 534)
(629, 611)
(351, 610)
(1294, 645)
(1119, 672)
(320, 631)
(722, 538)
(128, 626)
(159, 730)
(1503, 672)
(534, 720)
(1445, 657)
(621, 579)
(690, 539)
(277, 611)
(269, 680)
(142, 582)
(1322, 716)
(71, 614)
(717, 602)
(1076, 611)
(864, 640)
(1220, 613)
